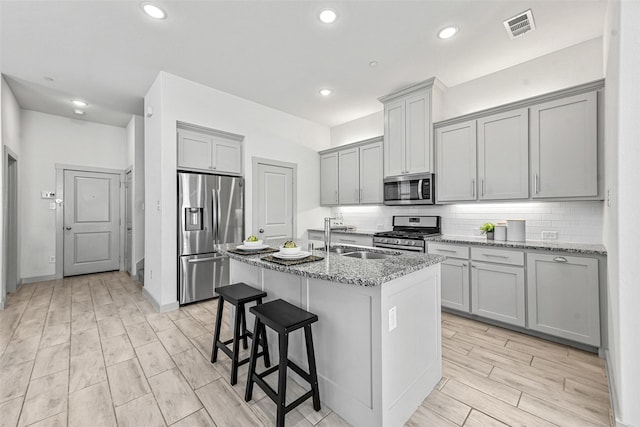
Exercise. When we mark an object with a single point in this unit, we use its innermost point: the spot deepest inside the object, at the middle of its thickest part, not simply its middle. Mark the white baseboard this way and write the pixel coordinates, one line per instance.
(613, 396)
(35, 279)
(160, 308)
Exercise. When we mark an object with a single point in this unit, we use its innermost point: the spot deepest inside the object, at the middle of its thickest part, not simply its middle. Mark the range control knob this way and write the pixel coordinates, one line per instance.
(411, 243)
(397, 241)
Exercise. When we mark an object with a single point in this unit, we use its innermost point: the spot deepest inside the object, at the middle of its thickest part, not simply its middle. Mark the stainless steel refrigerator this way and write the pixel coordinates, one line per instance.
(210, 212)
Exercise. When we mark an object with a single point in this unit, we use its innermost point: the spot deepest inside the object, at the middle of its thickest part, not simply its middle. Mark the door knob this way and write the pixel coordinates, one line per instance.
(68, 228)
(261, 230)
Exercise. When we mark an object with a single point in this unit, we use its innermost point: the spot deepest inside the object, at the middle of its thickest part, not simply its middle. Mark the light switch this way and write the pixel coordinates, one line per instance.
(47, 195)
(393, 318)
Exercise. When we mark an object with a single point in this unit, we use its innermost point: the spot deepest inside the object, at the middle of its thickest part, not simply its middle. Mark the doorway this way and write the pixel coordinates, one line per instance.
(10, 222)
(128, 221)
(91, 221)
(274, 199)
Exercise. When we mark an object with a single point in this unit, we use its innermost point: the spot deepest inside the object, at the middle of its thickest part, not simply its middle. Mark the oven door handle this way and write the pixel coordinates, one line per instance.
(400, 248)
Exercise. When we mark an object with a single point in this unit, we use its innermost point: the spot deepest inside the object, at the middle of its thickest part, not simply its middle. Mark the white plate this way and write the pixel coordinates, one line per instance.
(252, 248)
(300, 255)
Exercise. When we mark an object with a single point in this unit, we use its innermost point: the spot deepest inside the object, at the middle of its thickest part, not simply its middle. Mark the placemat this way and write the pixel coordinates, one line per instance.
(260, 252)
(288, 262)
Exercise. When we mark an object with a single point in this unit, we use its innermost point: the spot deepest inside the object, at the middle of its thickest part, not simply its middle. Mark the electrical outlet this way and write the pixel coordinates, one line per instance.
(393, 318)
(549, 235)
(52, 259)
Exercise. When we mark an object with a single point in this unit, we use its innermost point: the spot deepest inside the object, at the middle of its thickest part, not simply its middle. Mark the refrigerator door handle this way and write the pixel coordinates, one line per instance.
(214, 216)
(193, 261)
(219, 214)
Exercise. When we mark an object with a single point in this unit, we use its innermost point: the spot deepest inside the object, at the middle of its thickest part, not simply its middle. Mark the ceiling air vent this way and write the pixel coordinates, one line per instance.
(520, 24)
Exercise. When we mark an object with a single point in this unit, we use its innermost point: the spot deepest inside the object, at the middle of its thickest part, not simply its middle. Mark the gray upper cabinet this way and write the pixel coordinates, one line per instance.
(371, 173)
(456, 162)
(563, 297)
(208, 152)
(564, 147)
(349, 176)
(329, 179)
(407, 129)
(353, 174)
(503, 156)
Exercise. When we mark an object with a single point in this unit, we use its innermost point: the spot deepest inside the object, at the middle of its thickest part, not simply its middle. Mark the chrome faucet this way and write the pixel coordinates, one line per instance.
(327, 234)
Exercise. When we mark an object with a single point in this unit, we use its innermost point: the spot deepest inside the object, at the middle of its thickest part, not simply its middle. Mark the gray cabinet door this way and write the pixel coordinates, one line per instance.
(227, 156)
(195, 150)
(454, 276)
(563, 297)
(497, 292)
(503, 156)
(348, 177)
(329, 179)
(371, 173)
(418, 133)
(564, 147)
(394, 138)
(456, 162)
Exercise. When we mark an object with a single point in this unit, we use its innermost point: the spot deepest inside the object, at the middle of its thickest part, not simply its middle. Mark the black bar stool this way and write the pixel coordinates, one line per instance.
(283, 318)
(238, 295)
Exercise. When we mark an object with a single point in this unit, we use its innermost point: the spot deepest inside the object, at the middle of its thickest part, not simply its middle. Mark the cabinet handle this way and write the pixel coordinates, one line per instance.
(560, 259)
(483, 186)
(535, 185)
(464, 264)
(355, 195)
(473, 266)
(496, 256)
(447, 250)
(473, 188)
(346, 240)
(361, 194)
(336, 196)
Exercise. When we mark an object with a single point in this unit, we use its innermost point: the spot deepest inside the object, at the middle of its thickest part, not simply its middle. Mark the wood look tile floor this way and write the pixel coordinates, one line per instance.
(92, 351)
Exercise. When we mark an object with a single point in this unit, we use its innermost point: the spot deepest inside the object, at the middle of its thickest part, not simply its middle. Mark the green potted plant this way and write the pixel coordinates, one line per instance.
(487, 228)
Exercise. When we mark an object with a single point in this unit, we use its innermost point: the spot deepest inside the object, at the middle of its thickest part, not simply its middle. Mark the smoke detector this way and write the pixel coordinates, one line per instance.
(520, 24)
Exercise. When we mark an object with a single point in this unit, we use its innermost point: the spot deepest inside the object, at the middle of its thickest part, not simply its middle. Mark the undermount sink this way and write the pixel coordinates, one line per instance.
(367, 255)
(338, 251)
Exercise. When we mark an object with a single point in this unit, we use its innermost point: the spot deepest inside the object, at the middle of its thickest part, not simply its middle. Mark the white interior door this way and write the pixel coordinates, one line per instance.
(91, 222)
(275, 201)
(128, 222)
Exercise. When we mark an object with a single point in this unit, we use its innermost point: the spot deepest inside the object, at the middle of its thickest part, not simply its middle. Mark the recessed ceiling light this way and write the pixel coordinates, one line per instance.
(373, 64)
(79, 112)
(154, 11)
(328, 16)
(447, 32)
(79, 103)
(325, 92)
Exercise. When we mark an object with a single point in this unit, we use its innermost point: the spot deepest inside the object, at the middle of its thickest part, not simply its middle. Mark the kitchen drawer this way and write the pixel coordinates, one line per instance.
(497, 255)
(352, 239)
(453, 251)
(315, 235)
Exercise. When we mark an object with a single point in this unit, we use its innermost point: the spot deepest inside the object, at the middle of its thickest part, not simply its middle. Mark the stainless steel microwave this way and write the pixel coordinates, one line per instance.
(417, 189)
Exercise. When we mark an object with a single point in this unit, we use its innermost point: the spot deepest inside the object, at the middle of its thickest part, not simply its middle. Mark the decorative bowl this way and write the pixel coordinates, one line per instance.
(250, 244)
(289, 251)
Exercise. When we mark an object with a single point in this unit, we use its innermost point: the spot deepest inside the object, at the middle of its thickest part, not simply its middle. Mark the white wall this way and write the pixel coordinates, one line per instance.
(135, 160)
(268, 133)
(11, 138)
(357, 130)
(621, 231)
(568, 67)
(574, 221)
(48, 140)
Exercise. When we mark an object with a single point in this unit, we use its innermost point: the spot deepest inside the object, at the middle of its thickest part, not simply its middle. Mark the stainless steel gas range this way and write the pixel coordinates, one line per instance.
(408, 233)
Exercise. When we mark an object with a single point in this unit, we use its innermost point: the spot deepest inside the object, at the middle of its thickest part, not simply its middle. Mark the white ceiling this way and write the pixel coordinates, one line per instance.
(276, 53)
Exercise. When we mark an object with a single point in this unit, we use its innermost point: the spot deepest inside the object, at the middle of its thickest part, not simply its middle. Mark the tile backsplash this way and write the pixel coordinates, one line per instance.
(579, 222)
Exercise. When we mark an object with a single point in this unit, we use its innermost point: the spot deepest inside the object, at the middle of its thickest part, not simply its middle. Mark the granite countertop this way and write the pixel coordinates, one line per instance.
(576, 248)
(362, 232)
(338, 268)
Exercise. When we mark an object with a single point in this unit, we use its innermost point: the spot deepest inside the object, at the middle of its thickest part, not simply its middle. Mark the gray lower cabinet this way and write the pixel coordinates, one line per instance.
(563, 297)
(454, 278)
(497, 292)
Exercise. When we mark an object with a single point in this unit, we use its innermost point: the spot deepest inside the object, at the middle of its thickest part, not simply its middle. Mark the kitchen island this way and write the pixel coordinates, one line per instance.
(377, 341)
